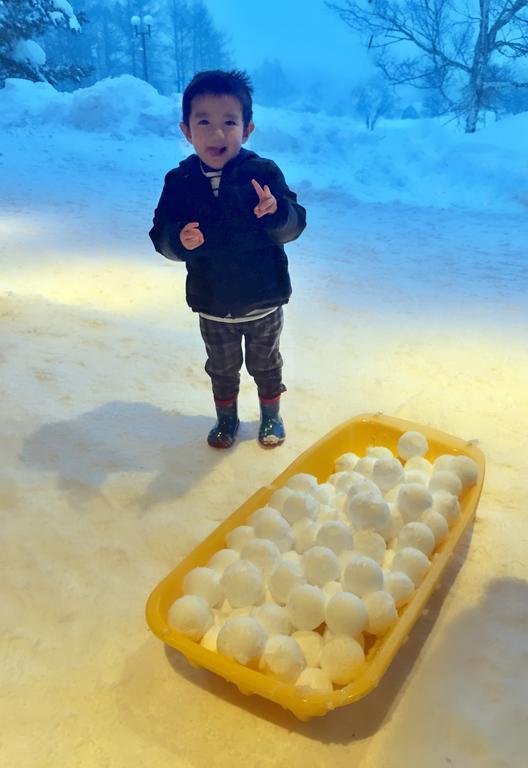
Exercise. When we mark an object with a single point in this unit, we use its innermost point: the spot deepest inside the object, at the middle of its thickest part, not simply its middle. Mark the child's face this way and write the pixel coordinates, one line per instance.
(216, 128)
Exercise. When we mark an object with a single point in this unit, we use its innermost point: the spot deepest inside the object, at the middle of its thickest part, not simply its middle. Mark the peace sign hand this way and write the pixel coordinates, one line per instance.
(267, 204)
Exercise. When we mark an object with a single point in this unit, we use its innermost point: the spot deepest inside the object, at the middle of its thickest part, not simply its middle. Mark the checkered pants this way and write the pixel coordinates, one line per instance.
(223, 344)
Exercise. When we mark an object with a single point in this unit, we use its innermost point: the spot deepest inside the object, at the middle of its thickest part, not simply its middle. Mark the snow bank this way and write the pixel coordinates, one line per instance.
(123, 104)
(416, 162)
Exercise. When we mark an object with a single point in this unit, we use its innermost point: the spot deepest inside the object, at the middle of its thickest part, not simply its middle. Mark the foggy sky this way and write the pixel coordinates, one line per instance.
(304, 35)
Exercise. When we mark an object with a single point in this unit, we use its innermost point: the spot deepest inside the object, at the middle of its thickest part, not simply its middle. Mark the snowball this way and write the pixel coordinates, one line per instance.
(442, 462)
(381, 611)
(312, 644)
(346, 614)
(191, 615)
(346, 462)
(346, 557)
(341, 659)
(326, 512)
(323, 493)
(320, 565)
(371, 544)
(362, 575)
(205, 583)
(239, 536)
(415, 476)
(306, 607)
(365, 466)
(417, 535)
(466, 468)
(413, 500)
(351, 482)
(399, 586)
(286, 576)
(304, 533)
(262, 513)
(292, 556)
(331, 588)
(419, 464)
(411, 561)
(278, 498)
(299, 505)
(283, 658)
(210, 638)
(274, 619)
(221, 559)
(394, 524)
(301, 482)
(273, 526)
(243, 584)
(264, 554)
(338, 502)
(335, 477)
(386, 473)
(444, 480)
(335, 535)
(367, 510)
(314, 680)
(437, 523)
(241, 638)
(447, 505)
(412, 444)
(379, 452)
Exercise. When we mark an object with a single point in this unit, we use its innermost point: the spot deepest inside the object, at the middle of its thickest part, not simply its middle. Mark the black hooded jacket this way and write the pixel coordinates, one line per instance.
(242, 265)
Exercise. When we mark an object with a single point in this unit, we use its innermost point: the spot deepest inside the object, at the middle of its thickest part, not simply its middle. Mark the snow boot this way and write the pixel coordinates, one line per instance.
(222, 435)
(271, 431)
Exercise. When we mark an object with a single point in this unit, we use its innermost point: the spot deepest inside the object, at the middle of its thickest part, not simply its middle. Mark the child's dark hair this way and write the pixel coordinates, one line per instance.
(214, 81)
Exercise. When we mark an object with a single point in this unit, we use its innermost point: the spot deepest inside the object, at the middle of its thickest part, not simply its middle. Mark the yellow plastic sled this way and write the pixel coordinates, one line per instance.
(354, 435)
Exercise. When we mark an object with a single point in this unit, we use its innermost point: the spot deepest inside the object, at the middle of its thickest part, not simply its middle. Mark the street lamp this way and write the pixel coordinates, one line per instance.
(142, 25)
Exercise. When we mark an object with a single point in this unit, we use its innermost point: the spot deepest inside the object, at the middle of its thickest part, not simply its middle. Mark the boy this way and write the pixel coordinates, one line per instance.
(226, 212)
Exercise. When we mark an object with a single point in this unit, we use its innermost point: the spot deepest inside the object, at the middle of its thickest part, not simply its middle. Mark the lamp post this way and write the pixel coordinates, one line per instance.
(142, 26)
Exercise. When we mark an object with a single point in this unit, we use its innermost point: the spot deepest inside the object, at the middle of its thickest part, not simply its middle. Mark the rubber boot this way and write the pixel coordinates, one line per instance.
(271, 431)
(222, 435)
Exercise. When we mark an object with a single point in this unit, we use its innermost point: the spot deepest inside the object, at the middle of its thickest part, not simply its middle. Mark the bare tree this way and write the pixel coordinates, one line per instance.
(372, 100)
(195, 42)
(455, 47)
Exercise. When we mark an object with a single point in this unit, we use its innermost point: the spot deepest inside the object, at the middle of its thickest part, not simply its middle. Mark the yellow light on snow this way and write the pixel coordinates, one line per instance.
(110, 285)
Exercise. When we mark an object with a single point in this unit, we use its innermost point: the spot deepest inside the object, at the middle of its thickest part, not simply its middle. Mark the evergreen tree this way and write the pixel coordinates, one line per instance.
(194, 44)
(22, 23)
(272, 87)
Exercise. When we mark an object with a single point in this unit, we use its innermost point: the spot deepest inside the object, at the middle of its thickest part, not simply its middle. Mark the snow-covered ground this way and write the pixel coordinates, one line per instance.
(410, 297)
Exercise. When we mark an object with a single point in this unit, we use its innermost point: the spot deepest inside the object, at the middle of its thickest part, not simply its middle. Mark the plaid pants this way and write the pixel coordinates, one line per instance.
(223, 344)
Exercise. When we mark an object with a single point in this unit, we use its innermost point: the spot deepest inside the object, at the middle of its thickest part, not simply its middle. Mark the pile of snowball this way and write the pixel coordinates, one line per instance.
(296, 589)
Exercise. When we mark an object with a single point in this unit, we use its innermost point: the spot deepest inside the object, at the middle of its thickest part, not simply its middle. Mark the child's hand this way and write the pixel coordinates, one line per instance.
(190, 236)
(267, 203)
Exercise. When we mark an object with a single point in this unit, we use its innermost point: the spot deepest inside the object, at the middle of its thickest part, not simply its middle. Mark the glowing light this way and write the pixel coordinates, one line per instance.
(110, 286)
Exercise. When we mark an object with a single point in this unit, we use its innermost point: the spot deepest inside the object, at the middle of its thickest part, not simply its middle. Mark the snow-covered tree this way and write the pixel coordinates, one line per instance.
(22, 23)
(458, 48)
